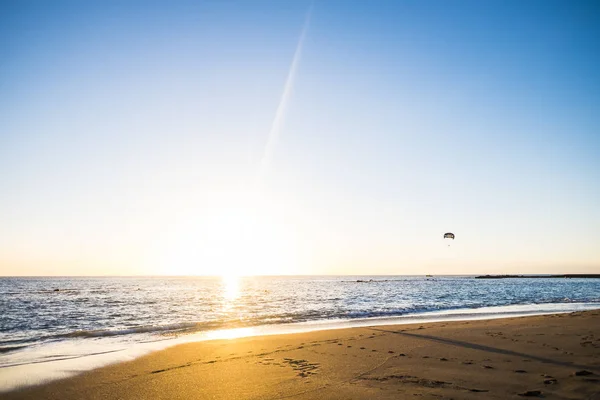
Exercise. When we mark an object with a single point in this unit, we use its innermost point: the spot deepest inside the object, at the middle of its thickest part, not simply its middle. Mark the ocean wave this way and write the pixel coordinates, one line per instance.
(286, 318)
(156, 308)
(45, 291)
(127, 331)
(7, 349)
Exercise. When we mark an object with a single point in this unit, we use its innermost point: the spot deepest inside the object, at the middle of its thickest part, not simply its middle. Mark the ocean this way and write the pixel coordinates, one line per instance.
(54, 327)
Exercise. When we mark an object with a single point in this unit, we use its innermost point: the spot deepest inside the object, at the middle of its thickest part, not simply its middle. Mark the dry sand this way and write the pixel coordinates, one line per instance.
(541, 356)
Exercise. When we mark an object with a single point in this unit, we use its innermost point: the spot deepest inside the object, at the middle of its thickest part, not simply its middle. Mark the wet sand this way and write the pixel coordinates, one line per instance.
(552, 356)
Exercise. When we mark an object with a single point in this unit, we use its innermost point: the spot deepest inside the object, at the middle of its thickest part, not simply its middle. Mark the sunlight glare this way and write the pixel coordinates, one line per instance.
(236, 234)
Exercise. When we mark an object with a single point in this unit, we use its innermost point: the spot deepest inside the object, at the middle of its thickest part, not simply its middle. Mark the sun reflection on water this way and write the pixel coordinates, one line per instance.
(231, 288)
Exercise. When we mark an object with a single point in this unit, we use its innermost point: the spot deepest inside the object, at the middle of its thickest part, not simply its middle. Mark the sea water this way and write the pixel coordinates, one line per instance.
(53, 327)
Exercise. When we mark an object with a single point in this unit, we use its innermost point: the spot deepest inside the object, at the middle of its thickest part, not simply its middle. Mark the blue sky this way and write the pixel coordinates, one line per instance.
(131, 132)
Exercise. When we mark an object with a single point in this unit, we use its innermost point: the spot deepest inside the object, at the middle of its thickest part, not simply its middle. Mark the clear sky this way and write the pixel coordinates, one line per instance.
(276, 137)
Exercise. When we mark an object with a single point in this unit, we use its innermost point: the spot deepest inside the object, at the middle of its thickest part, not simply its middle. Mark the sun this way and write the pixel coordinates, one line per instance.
(237, 235)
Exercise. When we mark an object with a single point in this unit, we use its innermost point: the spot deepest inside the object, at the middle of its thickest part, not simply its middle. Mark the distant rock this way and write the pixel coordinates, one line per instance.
(585, 276)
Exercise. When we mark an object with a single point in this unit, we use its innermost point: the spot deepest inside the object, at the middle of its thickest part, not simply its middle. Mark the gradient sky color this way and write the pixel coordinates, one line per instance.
(132, 136)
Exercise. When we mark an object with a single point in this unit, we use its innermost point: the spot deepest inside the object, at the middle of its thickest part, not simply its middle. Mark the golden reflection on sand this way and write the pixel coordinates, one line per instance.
(231, 333)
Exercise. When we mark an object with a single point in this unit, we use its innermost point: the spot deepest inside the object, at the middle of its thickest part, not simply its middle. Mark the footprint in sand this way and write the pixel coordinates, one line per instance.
(583, 373)
(531, 393)
(304, 367)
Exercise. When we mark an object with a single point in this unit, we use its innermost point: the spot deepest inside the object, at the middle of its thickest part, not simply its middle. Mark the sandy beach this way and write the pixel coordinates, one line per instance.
(552, 356)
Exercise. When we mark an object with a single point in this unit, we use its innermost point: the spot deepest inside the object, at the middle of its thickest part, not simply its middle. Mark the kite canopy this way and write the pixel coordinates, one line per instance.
(449, 235)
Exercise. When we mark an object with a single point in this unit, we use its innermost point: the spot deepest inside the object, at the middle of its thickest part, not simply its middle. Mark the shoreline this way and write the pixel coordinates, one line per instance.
(201, 355)
(79, 356)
